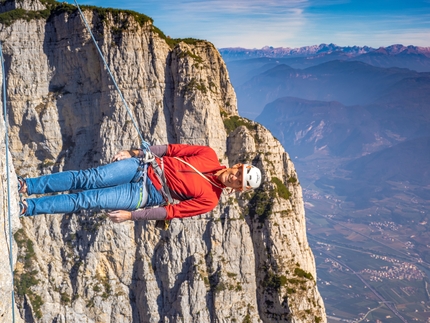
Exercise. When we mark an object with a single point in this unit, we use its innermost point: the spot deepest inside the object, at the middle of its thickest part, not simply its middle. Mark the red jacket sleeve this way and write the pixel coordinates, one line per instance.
(195, 206)
(181, 150)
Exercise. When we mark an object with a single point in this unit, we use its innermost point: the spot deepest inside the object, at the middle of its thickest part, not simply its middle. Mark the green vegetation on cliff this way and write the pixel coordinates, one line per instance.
(232, 122)
(120, 17)
(262, 199)
(9, 17)
(261, 203)
(26, 278)
(54, 8)
(281, 189)
(172, 42)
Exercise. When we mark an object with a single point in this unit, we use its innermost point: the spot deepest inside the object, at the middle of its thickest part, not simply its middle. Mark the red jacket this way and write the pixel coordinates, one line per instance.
(196, 195)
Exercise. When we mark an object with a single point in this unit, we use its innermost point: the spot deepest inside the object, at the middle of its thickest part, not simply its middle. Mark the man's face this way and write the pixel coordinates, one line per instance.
(232, 177)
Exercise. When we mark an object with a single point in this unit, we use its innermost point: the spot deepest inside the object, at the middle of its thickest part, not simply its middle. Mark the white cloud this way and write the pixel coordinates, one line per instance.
(254, 23)
(237, 6)
(286, 23)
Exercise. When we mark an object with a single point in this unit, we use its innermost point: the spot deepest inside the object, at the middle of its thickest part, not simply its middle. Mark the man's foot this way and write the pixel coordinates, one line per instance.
(22, 185)
(22, 208)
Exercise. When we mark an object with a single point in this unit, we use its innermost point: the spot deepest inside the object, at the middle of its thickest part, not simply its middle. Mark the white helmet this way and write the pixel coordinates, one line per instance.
(251, 177)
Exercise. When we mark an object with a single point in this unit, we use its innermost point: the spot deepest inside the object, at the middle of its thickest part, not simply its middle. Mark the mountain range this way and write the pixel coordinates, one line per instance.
(412, 57)
(236, 53)
(348, 82)
(243, 64)
(347, 113)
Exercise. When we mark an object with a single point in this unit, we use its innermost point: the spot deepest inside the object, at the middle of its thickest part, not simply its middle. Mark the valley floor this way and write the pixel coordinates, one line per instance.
(373, 264)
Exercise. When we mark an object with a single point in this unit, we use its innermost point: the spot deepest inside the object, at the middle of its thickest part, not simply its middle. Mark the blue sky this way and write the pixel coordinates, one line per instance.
(287, 23)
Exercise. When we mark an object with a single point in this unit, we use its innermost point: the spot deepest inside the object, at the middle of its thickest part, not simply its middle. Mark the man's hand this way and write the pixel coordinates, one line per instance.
(119, 216)
(123, 154)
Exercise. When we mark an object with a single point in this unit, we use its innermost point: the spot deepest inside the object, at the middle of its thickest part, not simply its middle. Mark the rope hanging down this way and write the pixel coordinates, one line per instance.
(6, 136)
(145, 145)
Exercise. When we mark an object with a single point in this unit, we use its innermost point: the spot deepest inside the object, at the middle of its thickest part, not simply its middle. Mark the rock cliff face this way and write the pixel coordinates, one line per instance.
(6, 287)
(246, 261)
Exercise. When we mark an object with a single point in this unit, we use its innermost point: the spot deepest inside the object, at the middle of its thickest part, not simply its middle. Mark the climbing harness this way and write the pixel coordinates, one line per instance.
(159, 172)
(8, 180)
(149, 158)
(143, 195)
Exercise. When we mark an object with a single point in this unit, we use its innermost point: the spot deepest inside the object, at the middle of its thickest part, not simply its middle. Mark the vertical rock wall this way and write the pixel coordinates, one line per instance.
(246, 261)
(9, 193)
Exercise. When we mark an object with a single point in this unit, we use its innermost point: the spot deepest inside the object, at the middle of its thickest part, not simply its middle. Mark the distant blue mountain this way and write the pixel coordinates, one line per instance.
(335, 130)
(238, 53)
(411, 57)
(308, 127)
(348, 82)
(355, 120)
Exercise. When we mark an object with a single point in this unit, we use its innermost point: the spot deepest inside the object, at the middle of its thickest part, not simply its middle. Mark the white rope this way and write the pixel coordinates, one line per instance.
(145, 145)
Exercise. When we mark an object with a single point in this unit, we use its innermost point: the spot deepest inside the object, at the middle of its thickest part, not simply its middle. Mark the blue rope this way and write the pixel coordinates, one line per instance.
(8, 181)
(145, 145)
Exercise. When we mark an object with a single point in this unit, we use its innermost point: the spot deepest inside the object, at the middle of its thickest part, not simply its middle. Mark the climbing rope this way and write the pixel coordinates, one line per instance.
(145, 145)
(8, 180)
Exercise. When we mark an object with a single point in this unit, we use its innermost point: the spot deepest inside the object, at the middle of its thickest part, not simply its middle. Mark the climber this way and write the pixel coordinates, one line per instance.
(140, 185)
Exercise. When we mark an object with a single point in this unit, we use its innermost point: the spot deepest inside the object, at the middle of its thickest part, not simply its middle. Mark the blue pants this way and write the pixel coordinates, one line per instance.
(115, 186)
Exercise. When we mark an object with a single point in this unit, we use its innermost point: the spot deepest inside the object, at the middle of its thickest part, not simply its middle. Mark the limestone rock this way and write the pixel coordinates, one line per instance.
(9, 207)
(246, 261)
(33, 5)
